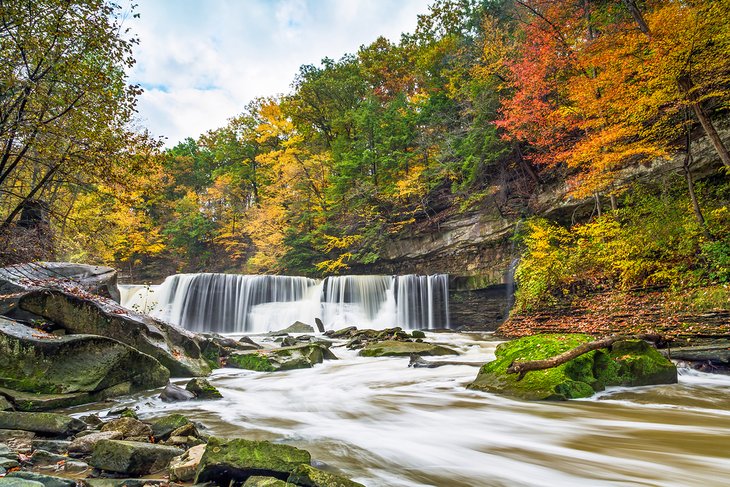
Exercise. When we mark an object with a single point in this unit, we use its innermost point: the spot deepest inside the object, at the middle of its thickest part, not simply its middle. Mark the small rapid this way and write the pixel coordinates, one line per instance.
(384, 424)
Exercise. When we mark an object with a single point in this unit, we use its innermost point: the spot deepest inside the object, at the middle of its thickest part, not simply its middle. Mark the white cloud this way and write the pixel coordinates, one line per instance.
(202, 61)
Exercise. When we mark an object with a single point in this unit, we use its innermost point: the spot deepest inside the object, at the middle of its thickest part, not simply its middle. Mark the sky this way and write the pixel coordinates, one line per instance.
(201, 61)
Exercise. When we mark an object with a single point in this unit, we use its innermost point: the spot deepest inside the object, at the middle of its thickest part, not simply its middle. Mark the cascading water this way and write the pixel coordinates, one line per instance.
(229, 303)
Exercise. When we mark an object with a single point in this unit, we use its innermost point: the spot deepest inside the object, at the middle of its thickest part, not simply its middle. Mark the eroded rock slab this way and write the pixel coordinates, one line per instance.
(391, 348)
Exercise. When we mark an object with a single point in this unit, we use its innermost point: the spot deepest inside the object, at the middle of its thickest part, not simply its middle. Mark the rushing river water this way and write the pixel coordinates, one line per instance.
(384, 424)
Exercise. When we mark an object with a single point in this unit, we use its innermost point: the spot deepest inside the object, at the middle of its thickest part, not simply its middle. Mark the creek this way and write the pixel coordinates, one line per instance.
(384, 424)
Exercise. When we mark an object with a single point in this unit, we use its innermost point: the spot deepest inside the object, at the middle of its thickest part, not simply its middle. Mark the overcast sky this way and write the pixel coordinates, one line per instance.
(201, 61)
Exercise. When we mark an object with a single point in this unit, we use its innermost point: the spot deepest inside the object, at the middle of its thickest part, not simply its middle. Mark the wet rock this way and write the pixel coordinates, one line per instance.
(45, 371)
(8, 463)
(342, 333)
(75, 466)
(45, 480)
(183, 468)
(42, 458)
(237, 459)
(93, 421)
(53, 446)
(124, 412)
(202, 389)
(133, 458)
(15, 482)
(288, 341)
(259, 481)
(320, 325)
(296, 327)
(49, 423)
(308, 476)
(186, 430)
(5, 404)
(627, 363)
(285, 358)
(124, 482)
(85, 444)
(173, 393)
(128, 427)
(163, 427)
(17, 440)
(418, 334)
(175, 348)
(403, 349)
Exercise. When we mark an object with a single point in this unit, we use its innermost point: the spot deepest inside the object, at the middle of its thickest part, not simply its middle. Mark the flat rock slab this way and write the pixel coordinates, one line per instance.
(94, 279)
(132, 457)
(302, 356)
(238, 459)
(163, 427)
(45, 480)
(85, 444)
(15, 482)
(393, 348)
(48, 423)
(123, 482)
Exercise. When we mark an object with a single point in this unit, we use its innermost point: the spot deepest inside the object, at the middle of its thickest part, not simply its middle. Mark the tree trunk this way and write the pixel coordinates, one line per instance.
(598, 204)
(523, 367)
(686, 85)
(614, 203)
(638, 17)
(686, 167)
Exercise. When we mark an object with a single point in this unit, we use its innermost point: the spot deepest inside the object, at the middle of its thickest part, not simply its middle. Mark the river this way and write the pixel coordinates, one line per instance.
(384, 424)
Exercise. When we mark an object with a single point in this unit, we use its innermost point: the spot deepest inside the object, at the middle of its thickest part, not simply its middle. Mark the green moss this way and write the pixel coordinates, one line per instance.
(251, 361)
(392, 348)
(308, 476)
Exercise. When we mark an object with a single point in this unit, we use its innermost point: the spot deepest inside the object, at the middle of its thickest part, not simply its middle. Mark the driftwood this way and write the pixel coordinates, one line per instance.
(418, 363)
(523, 367)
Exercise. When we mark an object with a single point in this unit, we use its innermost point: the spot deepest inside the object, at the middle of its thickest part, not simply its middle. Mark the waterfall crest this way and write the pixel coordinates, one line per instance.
(232, 303)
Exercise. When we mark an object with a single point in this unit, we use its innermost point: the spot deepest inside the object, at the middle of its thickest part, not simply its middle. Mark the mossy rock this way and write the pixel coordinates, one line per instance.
(285, 358)
(5, 404)
(628, 363)
(309, 476)
(238, 459)
(392, 348)
(203, 389)
(132, 457)
(45, 480)
(418, 334)
(259, 481)
(47, 423)
(163, 427)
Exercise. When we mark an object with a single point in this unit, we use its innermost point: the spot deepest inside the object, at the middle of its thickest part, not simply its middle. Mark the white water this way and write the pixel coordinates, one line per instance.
(384, 424)
(230, 303)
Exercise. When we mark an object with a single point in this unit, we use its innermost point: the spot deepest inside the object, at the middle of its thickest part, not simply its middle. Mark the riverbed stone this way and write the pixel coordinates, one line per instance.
(45, 480)
(164, 426)
(391, 348)
(237, 459)
(17, 440)
(627, 363)
(183, 468)
(53, 446)
(131, 457)
(102, 482)
(173, 393)
(48, 423)
(85, 444)
(308, 476)
(285, 358)
(203, 389)
(296, 327)
(128, 427)
(64, 371)
(15, 482)
(175, 348)
(259, 481)
(43, 458)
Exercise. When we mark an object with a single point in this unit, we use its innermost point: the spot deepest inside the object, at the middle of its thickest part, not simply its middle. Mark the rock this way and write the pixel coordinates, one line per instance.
(42, 458)
(392, 348)
(296, 327)
(49, 423)
(92, 367)
(628, 363)
(163, 427)
(31, 402)
(90, 278)
(124, 412)
(418, 334)
(183, 468)
(128, 427)
(186, 430)
(5, 404)
(202, 389)
(342, 333)
(124, 482)
(285, 358)
(236, 460)
(8, 463)
(130, 457)
(259, 481)
(93, 421)
(708, 358)
(17, 440)
(45, 480)
(15, 482)
(6, 452)
(75, 466)
(85, 444)
(53, 446)
(173, 393)
(288, 341)
(308, 476)
(175, 348)
(320, 325)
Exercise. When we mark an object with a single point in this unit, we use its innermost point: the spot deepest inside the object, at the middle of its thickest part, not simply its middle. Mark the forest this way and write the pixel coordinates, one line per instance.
(484, 105)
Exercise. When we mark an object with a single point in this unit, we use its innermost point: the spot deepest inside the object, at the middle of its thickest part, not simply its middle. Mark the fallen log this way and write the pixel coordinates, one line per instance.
(418, 363)
(523, 367)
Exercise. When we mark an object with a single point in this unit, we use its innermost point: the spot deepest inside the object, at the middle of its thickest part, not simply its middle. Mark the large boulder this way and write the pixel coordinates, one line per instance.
(392, 348)
(238, 459)
(308, 476)
(202, 389)
(296, 327)
(285, 358)
(85, 444)
(71, 369)
(128, 427)
(47, 423)
(132, 457)
(173, 347)
(626, 363)
(93, 279)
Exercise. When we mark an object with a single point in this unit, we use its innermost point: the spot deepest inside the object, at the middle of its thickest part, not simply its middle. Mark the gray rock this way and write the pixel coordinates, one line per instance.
(392, 348)
(259, 481)
(128, 427)
(45, 480)
(85, 444)
(8, 463)
(133, 458)
(285, 358)
(42, 458)
(124, 482)
(14, 482)
(75, 466)
(183, 468)
(17, 440)
(49, 423)
(173, 347)
(5, 404)
(173, 393)
(308, 476)
(320, 325)
(53, 446)
(296, 327)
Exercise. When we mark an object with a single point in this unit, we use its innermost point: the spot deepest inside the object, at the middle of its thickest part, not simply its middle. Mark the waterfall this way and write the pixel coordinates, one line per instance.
(230, 303)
